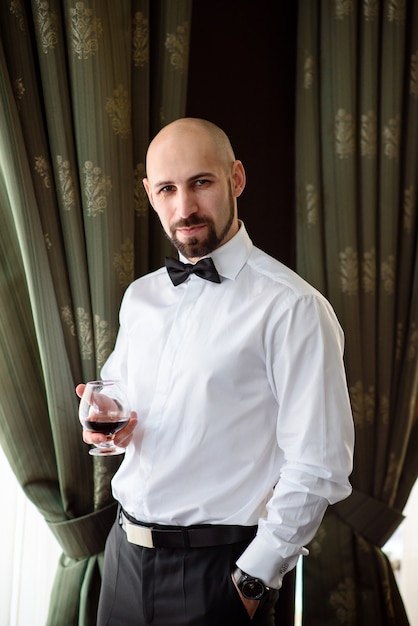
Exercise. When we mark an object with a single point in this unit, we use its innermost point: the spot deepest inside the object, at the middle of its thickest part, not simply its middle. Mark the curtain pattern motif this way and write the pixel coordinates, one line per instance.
(84, 85)
(357, 165)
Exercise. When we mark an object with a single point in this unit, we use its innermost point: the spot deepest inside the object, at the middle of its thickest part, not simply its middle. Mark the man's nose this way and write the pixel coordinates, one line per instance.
(186, 203)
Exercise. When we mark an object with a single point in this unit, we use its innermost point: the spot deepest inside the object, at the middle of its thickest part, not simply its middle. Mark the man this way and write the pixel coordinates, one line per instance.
(244, 433)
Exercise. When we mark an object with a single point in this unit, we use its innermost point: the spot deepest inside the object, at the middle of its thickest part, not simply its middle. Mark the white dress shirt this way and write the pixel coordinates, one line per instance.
(243, 411)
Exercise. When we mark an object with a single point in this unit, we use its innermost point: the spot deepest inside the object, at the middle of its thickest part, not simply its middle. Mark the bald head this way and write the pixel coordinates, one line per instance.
(184, 131)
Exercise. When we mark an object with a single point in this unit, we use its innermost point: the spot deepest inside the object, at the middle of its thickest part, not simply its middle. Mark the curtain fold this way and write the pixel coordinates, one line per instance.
(357, 164)
(78, 106)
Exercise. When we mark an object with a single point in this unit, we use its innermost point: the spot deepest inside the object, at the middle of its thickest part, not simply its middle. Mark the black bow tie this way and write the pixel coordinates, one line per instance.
(179, 271)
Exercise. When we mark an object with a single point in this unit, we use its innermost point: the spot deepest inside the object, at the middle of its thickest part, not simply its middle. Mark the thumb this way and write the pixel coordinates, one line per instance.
(80, 389)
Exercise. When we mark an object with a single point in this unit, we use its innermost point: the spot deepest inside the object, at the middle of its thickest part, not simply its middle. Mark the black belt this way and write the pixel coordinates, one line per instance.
(202, 536)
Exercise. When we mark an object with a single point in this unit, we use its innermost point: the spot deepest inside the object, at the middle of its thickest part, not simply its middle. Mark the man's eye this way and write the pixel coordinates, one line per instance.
(166, 189)
(201, 182)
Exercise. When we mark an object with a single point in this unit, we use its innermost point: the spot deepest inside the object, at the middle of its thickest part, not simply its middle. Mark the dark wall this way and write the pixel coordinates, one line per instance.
(242, 77)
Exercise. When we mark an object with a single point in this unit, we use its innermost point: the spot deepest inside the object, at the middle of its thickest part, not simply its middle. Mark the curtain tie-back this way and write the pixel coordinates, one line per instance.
(85, 536)
(369, 517)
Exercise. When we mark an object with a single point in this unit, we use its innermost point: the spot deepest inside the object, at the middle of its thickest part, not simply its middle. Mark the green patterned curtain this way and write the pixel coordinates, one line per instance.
(84, 85)
(357, 166)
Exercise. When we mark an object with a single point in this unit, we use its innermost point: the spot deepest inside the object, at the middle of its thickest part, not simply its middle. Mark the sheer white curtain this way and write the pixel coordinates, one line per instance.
(402, 550)
(29, 556)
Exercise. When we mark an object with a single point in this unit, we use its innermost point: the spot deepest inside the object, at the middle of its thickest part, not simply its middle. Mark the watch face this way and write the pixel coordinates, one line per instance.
(253, 589)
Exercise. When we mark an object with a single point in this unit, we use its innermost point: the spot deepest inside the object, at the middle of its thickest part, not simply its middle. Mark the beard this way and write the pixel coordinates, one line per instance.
(193, 248)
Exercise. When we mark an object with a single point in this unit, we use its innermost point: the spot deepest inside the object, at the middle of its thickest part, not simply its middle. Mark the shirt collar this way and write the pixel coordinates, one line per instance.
(230, 258)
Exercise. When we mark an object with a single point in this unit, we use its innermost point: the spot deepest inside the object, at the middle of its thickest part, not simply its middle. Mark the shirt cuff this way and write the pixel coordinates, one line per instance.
(258, 560)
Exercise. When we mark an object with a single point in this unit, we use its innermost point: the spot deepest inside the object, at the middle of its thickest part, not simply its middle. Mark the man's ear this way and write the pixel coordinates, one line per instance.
(147, 188)
(238, 178)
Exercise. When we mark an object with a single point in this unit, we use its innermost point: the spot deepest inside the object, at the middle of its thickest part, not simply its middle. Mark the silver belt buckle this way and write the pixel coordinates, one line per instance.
(139, 535)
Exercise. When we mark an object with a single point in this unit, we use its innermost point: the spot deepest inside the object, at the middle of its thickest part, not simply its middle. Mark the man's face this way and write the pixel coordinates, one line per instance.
(193, 190)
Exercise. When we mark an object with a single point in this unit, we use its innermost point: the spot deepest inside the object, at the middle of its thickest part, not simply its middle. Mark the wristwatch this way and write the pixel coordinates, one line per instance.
(250, 587)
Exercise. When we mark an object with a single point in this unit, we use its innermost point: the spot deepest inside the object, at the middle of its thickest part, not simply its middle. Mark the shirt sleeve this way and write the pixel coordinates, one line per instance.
(314, 432)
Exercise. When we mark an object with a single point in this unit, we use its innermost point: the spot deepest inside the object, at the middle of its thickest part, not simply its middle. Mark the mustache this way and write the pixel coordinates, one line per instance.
(193, 220)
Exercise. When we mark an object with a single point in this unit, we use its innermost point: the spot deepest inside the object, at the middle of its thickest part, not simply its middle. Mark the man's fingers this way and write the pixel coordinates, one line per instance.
(124, 436)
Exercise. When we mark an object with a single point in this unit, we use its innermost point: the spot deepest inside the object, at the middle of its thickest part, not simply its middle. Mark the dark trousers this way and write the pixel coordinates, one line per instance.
(173, 587)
